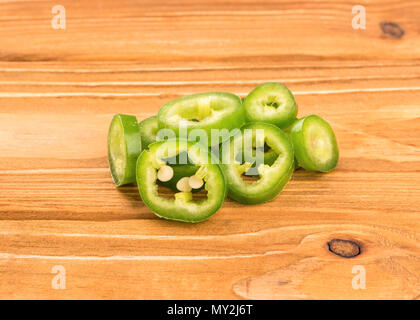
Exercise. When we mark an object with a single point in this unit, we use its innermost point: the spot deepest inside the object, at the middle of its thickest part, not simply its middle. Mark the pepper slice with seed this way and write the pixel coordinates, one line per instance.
(207, 111)
(272, 178)
(124, 147)
(182, 206)
(148, 131)
(180, 171)
(314, 143)
(271, 102)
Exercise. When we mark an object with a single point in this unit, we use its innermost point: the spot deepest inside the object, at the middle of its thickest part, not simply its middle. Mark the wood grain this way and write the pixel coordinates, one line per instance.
(60, 88)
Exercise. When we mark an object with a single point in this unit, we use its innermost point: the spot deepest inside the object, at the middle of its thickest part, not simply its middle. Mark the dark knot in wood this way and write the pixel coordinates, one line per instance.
(392, 29)
(344, 248)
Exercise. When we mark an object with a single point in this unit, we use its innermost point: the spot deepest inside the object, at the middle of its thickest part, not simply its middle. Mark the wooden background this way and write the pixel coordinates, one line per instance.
(60, 88)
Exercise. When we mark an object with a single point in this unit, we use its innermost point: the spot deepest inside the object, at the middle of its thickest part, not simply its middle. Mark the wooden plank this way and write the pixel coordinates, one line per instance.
(216, 30)
(306, 271)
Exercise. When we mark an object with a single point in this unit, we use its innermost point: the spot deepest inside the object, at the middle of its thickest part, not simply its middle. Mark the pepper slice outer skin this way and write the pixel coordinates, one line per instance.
(224, 111)
(269, 186)
(173, 209)
(271, 102)
(315, 144)
(148, 129)
(124, 147)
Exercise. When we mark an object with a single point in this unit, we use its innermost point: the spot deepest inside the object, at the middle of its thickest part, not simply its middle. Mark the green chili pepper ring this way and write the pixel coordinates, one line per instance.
(182, 207)
(315, 145)
(271, 102)
(213, 110)
(124, 147)
(273, 177)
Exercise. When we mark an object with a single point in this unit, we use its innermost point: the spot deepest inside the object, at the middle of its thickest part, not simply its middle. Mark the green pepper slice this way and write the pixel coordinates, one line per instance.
(124, 147)
(272, 178)
(148, 131)
(207, 111)
(271, 102)
(182, 207)
(315, 145)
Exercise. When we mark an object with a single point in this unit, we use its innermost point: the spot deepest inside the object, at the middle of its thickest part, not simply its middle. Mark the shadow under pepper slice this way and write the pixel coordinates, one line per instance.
(314, 143)
(124, 147)
(207, 111)
(271, 102)
(272, 178)
(182, 206)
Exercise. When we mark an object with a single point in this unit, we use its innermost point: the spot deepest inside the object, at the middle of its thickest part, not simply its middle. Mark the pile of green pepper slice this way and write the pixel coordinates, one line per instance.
(204, 147)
